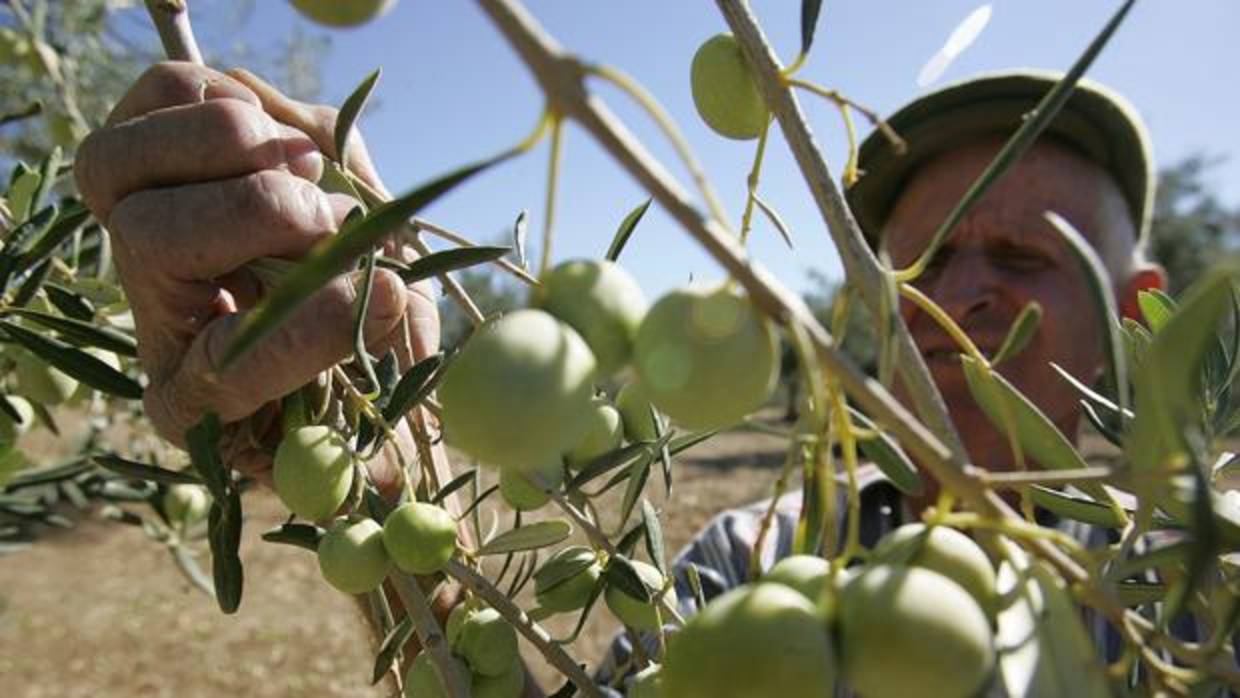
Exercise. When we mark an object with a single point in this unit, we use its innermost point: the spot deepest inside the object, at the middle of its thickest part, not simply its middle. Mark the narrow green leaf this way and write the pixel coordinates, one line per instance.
(620, 574)
(1157, 309)
(695, 583)
(306, 536)
(70, 304)
(1103, 295)
(70, 220)
(809, 23)
(893, 462)
(187, 564)
(473, 506)
(224, 534)
(349, 111)
(84, 333)
(24, 184)
(334, 256)
(529, 537)
(203, 443)
(519, 228)
(1173, 554)
(1019, 334)
(654, 536)
(637, 482)
(628, 542)
(75, 362)
(1168, 380)
(455, 484)
(142, 471)
(683, 443)
(390, 648)
(1075, 507)
(48, 170)
(1037, 435)
(1042, 646)
(625, 231)
(608, 462)
(413, 387)
(34, 281)
(450, 260)
(773, 216)
(1203, 553)
(1140, 593)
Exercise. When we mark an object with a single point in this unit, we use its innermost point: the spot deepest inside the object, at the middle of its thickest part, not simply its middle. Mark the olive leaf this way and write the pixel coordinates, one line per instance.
(519, 228)
(450, 260)
(413, 387)
(654, 536)
(75, 362)
(627, 226)
(142, 471)
(70, 220)
(350, 110)
(1075, 507)
(887, 455)
(70, 303)
(1019, 334)
(809, 22)
(455, 484)
(529, 537)
(773, 216)
(84, 333)
(302, 535)
(390, 648)
(620, 574)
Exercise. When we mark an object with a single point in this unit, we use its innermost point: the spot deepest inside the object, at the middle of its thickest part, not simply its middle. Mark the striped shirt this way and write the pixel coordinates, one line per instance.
(721, 553)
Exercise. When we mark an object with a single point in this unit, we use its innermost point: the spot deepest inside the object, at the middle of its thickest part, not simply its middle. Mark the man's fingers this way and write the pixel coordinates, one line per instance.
(175, 83)
(317, 336)
(217, 139)
(202, 231)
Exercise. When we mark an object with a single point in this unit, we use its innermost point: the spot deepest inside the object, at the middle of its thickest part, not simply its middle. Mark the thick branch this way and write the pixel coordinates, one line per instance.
(171, 19)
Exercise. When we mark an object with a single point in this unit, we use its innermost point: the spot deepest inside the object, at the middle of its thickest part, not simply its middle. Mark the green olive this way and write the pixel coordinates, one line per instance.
(519, 390)
(352, 557)
(807, 574)
(566, 579)
(420, 538)
(600, 300)
(186, 504)
(313, 471)
(755, 641)
(487, 643)
(908, 631)
(508, 684)
(342, 13)
(706, 357)
(946, 551)
(520, 493)
(604, 434)
(648, 683)
(422, 678)
(724, 91)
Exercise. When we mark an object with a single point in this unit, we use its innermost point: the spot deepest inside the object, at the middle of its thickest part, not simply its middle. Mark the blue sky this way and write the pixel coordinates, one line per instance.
(452, 91)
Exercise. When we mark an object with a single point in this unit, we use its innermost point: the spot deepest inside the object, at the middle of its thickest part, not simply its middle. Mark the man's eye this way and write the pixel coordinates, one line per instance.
(1021, 261)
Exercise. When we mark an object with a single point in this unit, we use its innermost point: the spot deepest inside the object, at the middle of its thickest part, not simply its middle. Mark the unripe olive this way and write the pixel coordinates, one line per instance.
(759, 641)
(604, 434)
(521, 494)
(11, 430)
(342, 13)
(456, 619)
(600, 300)
(508, 684)
(634, 407)
(352, 557)
(635, 613)
(706, 357)
(648, 683)
(565, 580)
(946, 551)
(908, 631)
(807, 574)
(313, 471)
(487, 643)
(420, 538)
(185, 504)
(39, 381)
(422, 679)
(518, 391)
(724, 90)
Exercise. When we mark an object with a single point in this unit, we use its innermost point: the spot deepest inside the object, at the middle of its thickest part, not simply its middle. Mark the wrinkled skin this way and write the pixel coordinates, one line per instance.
(1002, 256)
(195, 174)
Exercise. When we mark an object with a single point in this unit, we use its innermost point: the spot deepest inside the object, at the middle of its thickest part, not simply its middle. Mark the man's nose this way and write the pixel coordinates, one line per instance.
(965, 286)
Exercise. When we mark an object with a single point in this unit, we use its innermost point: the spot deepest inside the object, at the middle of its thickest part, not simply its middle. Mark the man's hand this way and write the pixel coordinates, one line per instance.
(195, 174)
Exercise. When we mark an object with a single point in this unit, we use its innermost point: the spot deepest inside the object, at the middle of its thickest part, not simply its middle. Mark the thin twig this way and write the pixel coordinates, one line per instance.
(421, 224)
(538, 637)
(429, 634)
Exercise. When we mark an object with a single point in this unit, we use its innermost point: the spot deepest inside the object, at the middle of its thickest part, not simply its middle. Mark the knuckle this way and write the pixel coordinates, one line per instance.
(170, 82)
(239, 125)
(86, 173)
(276, 201)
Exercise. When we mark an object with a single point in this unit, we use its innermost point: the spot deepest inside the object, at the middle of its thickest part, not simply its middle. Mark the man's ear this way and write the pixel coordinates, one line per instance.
(1148, 276)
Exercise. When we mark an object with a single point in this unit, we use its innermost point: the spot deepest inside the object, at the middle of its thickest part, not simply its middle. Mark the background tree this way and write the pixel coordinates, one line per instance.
(1191, 228)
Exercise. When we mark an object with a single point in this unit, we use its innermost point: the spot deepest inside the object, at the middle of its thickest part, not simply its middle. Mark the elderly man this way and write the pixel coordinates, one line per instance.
(198, 173)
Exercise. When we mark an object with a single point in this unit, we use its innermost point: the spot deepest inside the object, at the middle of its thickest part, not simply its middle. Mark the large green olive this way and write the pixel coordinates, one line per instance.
(313, 471)
(604, 434)
(420, 538)
(724, 91)
(352, 557)
(807, 574)
(342, 13)
(519, 390)
(487, 642)
(946, 551)
(600, 300)
(422, 678)
(755, 641)
(909, 631)
(648, 683)
(186, 504)
(519, 489)
(566, 579)
(706, 357)
(508, 684)
(635, 613)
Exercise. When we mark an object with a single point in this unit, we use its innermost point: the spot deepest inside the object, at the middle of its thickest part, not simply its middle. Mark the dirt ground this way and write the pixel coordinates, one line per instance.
(100, 610)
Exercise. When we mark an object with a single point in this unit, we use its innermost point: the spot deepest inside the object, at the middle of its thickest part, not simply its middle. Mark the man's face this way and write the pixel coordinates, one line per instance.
(1002, 256)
